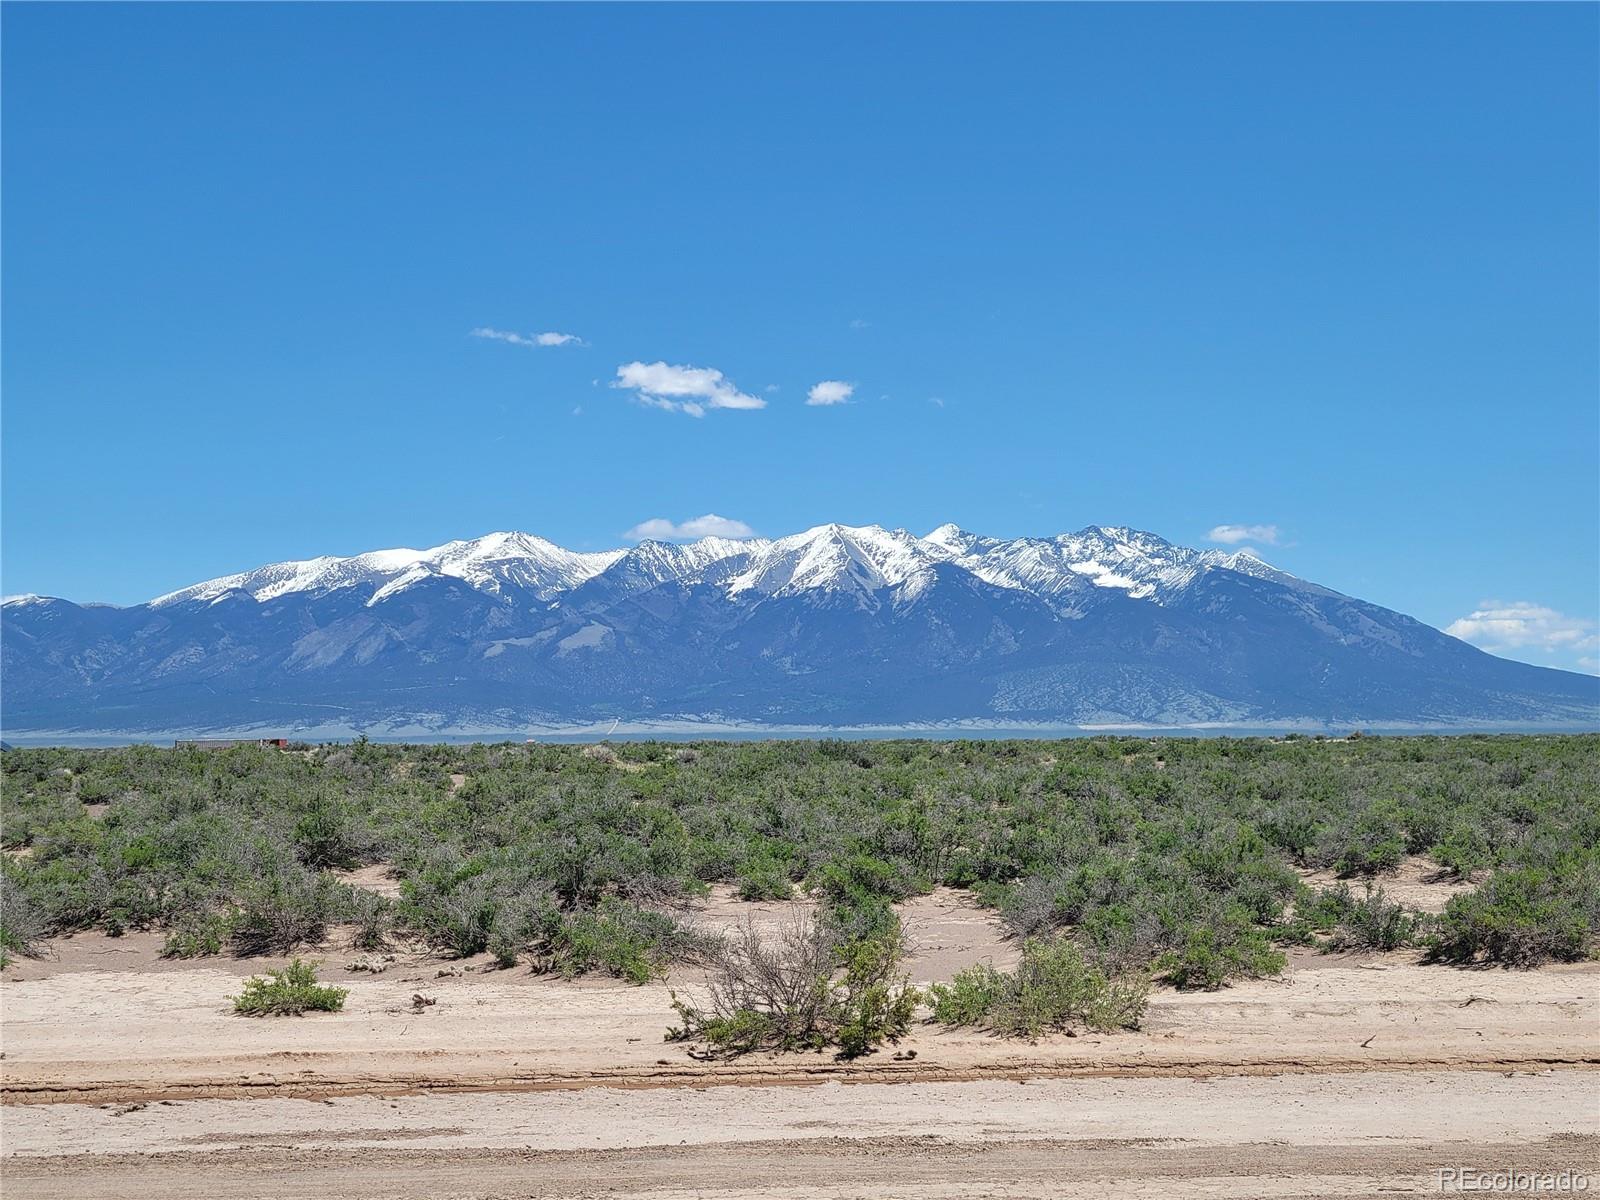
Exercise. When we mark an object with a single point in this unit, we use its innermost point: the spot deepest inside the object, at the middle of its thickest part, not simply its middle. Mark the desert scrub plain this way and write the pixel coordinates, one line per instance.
(1178, 857)
(1366, 942)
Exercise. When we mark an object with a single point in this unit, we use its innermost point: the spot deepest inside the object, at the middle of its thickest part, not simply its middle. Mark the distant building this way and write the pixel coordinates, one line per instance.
(230, 743)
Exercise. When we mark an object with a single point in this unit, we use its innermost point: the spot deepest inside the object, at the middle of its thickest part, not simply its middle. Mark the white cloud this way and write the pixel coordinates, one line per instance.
(830, 391)
(1232, 535)
(858, 324)
(710, 525)
(689, 390)
(528, 339)
(1498, 625)
(936, 401)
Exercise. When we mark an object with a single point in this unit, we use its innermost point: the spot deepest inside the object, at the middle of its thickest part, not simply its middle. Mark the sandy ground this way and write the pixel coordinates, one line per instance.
(107, 1020)
(124, 1075)
(1417, 882)
(1288, 1136)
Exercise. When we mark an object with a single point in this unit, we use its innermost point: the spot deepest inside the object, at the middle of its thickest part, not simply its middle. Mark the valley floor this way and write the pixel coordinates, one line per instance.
(128, 1076)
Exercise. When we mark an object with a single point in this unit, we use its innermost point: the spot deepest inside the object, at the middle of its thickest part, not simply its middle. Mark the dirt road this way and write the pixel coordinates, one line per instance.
(1291, 1136)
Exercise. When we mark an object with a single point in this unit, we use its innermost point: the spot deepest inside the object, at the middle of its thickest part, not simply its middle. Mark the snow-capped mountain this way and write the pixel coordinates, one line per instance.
(837, 558)
(835, 626)
(496, 562)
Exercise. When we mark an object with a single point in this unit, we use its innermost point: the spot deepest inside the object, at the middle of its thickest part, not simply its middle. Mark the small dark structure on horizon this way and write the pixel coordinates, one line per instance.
(230, 743)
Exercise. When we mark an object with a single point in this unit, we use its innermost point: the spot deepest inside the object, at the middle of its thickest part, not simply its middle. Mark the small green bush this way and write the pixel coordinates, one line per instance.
(1375, 922)
(1371, 922)
(971, 996)
(199, 936)
(20, 922)
(1214, 954)
(872, 1001)
(619, 938)
(765, 879)
(741, 1032)
(286, 908)
(1524, 917)
(1054, 989)
(800, 987)
(373, 916)
(288, 993)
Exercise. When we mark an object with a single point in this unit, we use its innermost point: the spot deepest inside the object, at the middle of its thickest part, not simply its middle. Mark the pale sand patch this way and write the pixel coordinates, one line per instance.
(376, 877)
(949, 931)
(1418, 882)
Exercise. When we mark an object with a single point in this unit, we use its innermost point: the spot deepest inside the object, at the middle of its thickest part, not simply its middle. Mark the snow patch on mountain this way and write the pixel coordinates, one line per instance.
(489, 563)
(1065, 570)
(858, 559)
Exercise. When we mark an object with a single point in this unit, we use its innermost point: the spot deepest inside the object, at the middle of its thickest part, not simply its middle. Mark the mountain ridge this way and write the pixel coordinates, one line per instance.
(834, 626)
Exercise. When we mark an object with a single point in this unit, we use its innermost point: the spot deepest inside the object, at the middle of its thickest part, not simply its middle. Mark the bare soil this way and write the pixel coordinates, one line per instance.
(1418, 882)
(1361, 1135)
(126, 1075)
(108, 1023)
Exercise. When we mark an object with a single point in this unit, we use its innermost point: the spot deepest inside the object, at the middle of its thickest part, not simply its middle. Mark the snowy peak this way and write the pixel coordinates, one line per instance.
(652, 563)
(519, 560)
(1068, 570)
(860, 559)
(952, 541)
(489, 563)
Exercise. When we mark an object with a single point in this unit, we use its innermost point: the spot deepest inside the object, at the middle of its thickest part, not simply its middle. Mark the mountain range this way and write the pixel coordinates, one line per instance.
(835, 627)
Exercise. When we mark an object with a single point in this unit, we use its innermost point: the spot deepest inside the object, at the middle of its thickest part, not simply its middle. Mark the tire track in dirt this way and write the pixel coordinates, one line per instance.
(310, 1086)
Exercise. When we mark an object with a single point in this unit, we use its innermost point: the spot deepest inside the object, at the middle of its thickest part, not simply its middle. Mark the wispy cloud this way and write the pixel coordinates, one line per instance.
(1232, 535)
(859, 324)
(1500, 625)
(527, 339)
(710, 525)
(830, 391)
(690, 390)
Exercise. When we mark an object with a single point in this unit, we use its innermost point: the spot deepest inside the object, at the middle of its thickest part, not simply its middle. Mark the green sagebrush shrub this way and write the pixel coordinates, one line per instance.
(1369, 922)
(1054, 989)
(199, 936)
(1525, 916)
(1131, 844)
(800, 986)
(285, 908)
(621, 939)
(288, 993)
(21, 924)
(1218, 951)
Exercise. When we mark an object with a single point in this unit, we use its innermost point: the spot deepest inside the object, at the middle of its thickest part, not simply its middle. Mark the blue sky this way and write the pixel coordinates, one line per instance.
(1329, 271)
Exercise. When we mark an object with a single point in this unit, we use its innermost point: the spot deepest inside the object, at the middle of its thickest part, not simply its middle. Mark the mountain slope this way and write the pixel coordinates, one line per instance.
(835, 626)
